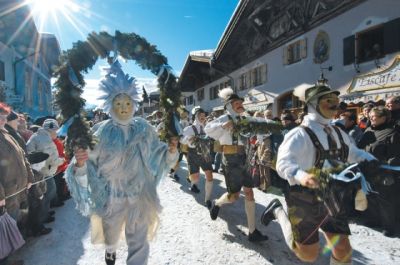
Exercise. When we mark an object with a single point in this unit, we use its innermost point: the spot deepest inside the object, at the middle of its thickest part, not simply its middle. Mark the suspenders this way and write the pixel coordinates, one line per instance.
(235, 138)
(332, 154)
(196, 132)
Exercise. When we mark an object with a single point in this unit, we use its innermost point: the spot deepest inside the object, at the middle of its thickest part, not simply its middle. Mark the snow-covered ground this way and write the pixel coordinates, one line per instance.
(187, 235)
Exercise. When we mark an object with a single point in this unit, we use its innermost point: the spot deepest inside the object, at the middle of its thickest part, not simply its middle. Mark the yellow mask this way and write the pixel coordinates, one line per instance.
(123, 107)
(328, 105)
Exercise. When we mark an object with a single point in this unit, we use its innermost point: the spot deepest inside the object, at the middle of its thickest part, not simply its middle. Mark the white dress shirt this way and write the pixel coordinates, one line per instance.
(297, 153)
(224, 136)
(188, 133)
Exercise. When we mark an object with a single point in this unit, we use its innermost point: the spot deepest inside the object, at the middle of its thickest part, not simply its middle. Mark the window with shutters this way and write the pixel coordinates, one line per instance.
(370, 44)
(214, 92)
(189, 100)
(391, 36)
(259, 75)
(200, 94)
(243, 81)
(295, 52)
(2, 71)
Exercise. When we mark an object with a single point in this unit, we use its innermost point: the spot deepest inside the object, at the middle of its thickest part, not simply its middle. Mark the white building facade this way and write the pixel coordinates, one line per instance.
(361, 39)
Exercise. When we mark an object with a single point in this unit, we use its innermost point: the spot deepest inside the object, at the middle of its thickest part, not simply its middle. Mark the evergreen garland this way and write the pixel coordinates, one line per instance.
(245, 126)
(82, 57)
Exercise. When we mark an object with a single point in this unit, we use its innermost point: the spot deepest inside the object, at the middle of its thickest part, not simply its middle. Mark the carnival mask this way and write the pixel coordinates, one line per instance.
(123, 107)
(237, 106)
(201, 117)
(328, 105)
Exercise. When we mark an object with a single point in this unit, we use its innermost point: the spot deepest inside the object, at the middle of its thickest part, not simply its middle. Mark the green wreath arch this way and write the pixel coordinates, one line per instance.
(82, 57)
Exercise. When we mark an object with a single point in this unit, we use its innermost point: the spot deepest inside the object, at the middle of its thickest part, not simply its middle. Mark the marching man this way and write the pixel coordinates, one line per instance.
(195, 157)
(233, 161)
(116, 182)
(325, 146)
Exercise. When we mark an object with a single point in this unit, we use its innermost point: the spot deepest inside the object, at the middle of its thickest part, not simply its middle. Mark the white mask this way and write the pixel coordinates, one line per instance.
(123, 107)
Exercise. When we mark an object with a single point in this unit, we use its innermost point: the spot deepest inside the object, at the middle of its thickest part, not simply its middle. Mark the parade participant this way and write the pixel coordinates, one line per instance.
(325, 146)
(116, 182)
(233, 161)
(193, 136)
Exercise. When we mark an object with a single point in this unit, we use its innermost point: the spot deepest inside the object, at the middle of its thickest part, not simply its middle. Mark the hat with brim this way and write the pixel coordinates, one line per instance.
(318, 91)
(37, 157)
(232, 98)
(196, 110)
(12, 116)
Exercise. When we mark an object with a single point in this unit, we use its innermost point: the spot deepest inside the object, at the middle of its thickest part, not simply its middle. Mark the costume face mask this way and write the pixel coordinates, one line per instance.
(237, 106)
(328, 105)
(123, 107)
(201, 117)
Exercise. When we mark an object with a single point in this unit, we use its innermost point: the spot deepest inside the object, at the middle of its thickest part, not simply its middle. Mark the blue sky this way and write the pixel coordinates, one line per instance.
(176, 27)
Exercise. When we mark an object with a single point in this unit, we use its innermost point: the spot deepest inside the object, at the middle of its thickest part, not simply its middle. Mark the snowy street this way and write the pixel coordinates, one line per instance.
(187, 235)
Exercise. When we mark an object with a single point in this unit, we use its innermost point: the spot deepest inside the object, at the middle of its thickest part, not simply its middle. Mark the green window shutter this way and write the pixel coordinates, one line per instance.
(391, 35)
(349, 50)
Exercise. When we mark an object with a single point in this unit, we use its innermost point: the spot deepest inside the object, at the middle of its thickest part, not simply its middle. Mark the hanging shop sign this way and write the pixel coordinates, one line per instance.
(375, 86)
(388, 78)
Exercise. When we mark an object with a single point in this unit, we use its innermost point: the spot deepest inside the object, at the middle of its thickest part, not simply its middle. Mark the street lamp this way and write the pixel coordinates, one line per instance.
(15, 68)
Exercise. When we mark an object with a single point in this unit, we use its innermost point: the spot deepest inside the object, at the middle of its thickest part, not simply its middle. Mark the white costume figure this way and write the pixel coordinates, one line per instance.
(116, 182)
(315, 144)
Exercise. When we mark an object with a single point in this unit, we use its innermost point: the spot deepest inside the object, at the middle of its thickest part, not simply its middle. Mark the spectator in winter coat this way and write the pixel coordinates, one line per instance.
(23, 128)
(12, 128)
(383, 141)
(393, 104)
(350, 126)
(364, 122)
(15, 172)
(42, 141)
(36, 194)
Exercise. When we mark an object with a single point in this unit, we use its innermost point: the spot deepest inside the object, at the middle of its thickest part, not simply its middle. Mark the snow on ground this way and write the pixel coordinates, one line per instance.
(187, 235)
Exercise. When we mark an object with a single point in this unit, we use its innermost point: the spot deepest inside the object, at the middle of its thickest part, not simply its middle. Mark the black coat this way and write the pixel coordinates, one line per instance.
(383, 142)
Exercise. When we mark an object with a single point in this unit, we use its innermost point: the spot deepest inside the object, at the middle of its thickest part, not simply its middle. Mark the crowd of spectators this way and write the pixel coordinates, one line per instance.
(32, 164)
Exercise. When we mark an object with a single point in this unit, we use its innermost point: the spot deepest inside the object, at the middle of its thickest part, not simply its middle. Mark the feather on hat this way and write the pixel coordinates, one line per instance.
(228, 95)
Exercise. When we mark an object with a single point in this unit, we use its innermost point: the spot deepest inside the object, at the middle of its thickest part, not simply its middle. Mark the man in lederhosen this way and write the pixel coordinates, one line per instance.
(234, 161)
(325, 146)
(196, 157)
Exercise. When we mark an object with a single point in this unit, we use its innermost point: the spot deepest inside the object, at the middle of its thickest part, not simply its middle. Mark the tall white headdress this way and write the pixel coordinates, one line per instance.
(116, 82)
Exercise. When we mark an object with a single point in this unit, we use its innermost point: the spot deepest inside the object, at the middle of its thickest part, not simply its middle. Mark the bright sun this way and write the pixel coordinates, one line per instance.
(58, 12)
(44, 7)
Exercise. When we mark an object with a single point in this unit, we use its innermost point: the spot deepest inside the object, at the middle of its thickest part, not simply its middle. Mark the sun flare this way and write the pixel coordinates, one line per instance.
(47, 6)
(60, 12)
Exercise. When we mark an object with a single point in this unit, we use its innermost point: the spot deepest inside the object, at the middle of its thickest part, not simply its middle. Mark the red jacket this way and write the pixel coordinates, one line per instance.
(60, 149)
